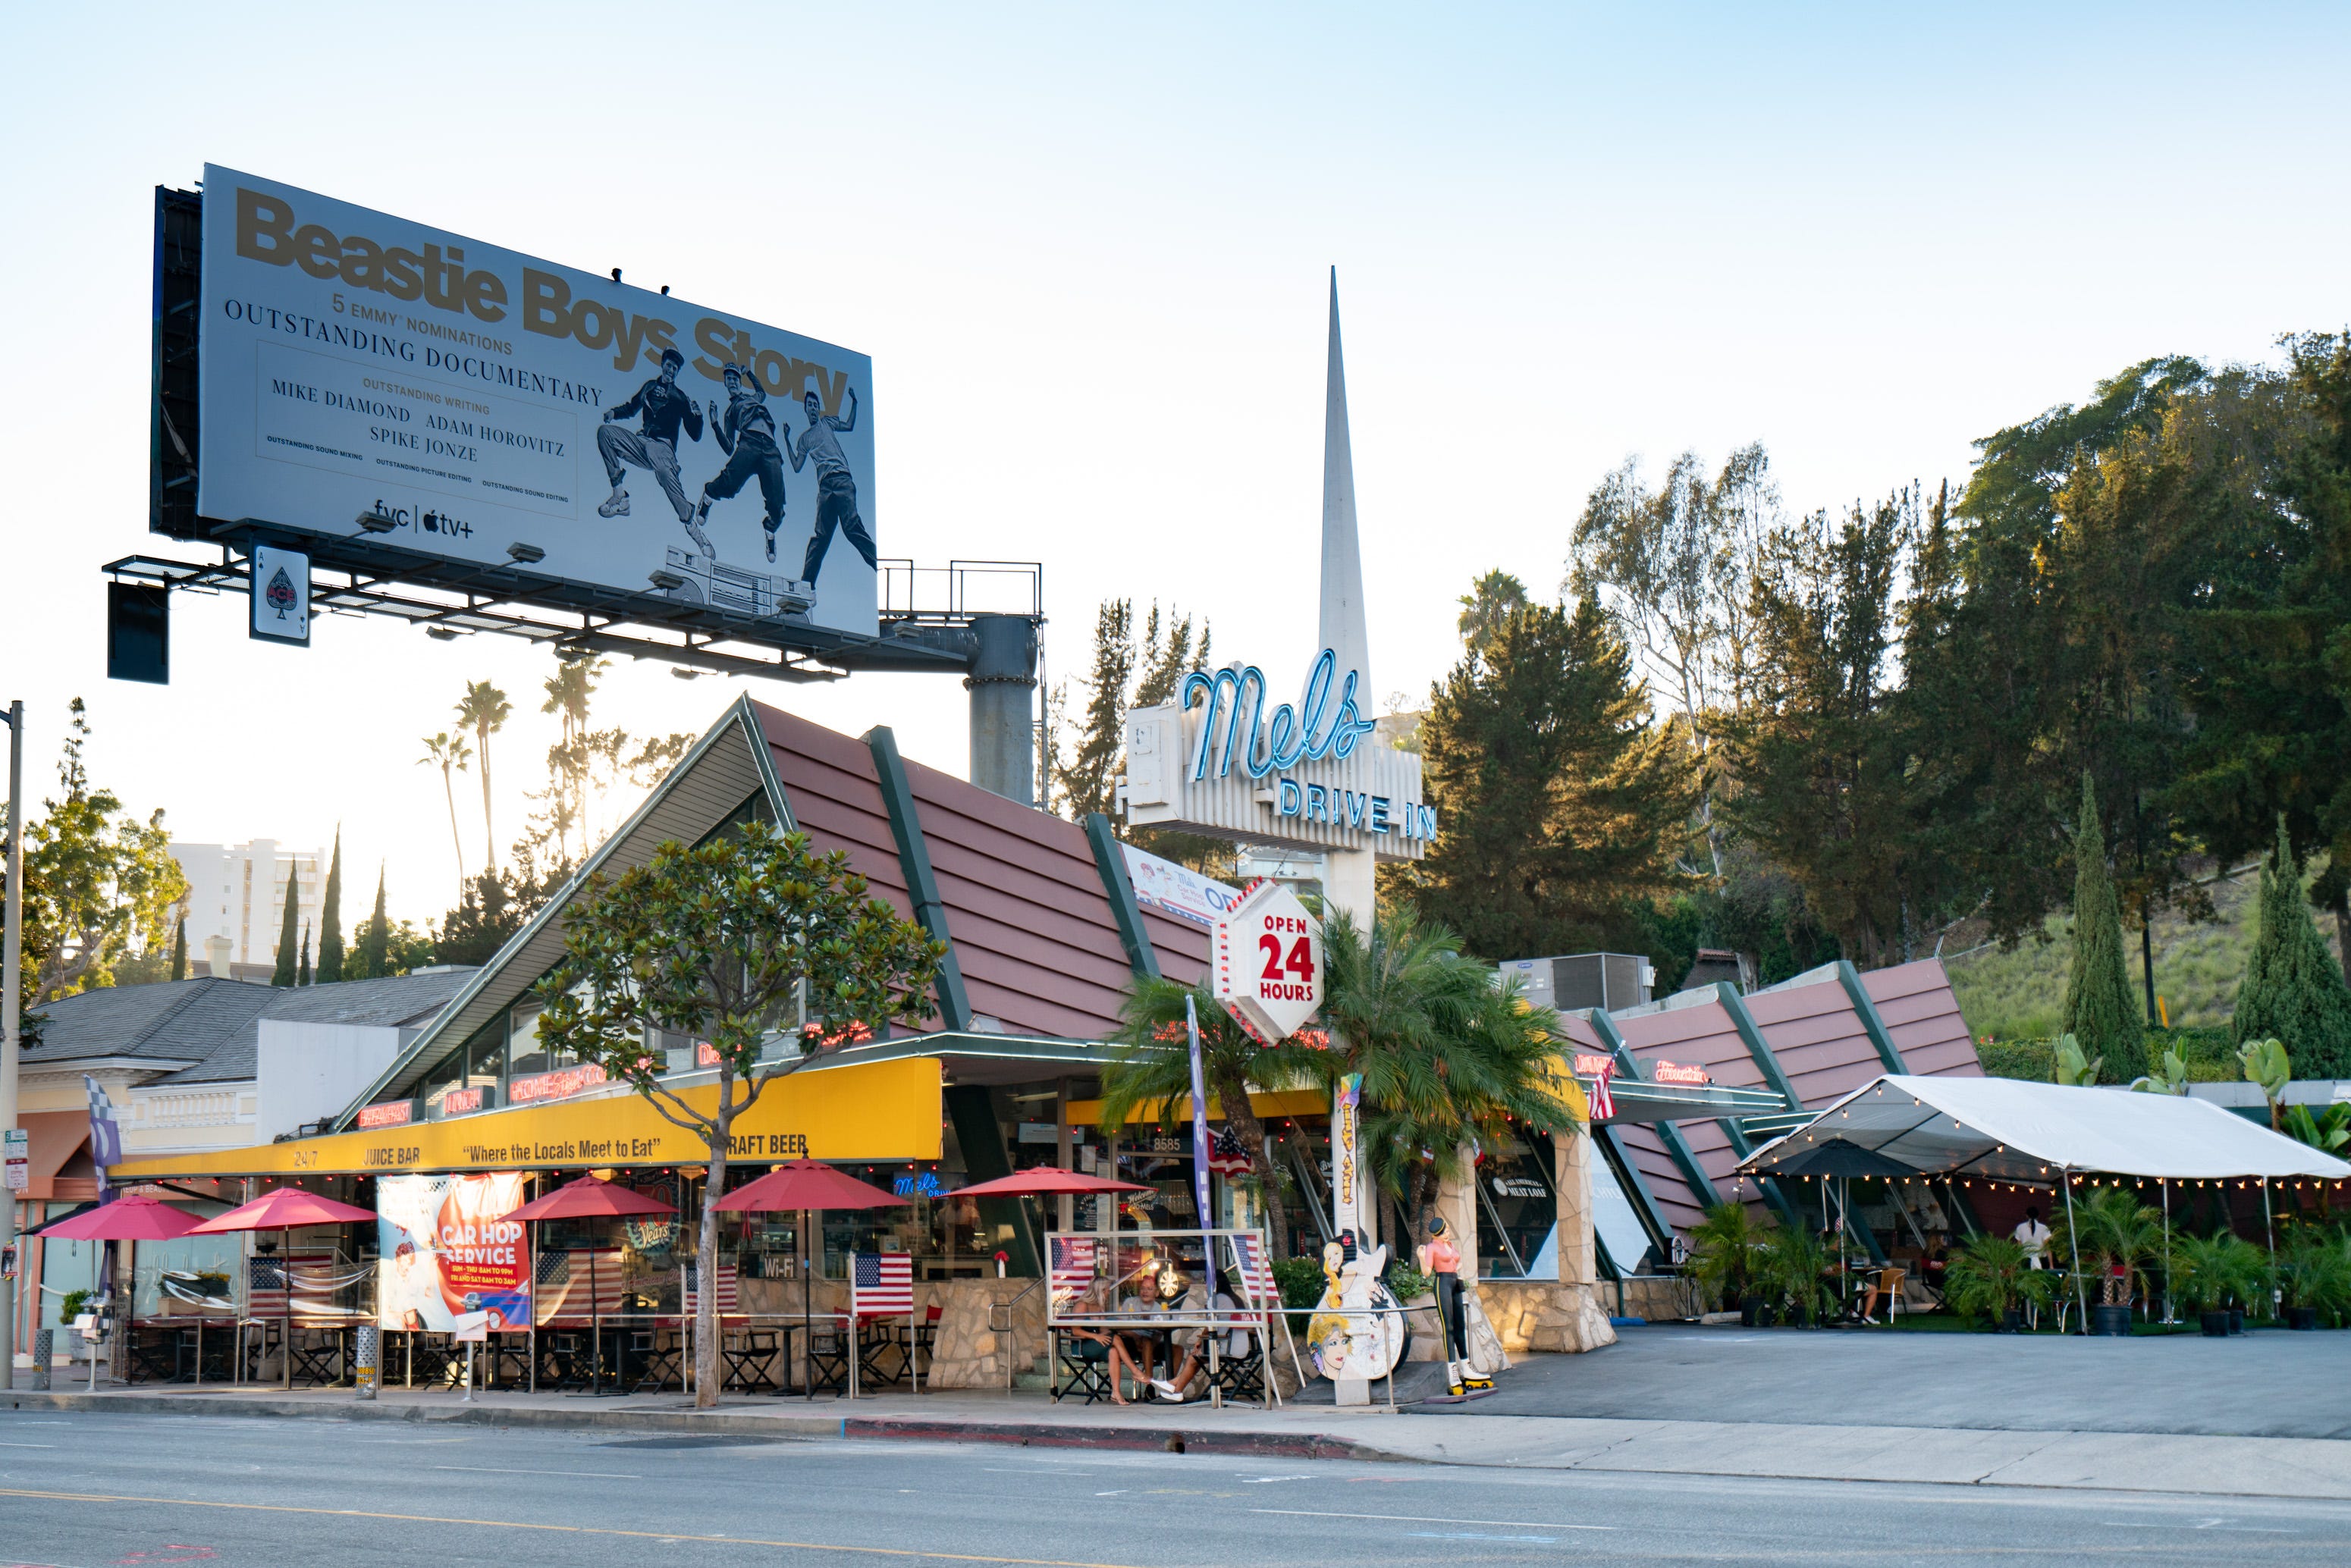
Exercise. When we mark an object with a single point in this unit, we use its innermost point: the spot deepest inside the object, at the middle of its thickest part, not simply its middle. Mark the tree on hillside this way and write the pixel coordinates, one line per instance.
(289, 933)
(1670, 566)
(1089, 778)
(450, 753)
(1563, 799)
(99, 885)
(2292, 991)
(330, 918)
(483, 709)
(1818, 761)
(719, 944)
(2100, 1011)
(1084, 767)
(495, 905)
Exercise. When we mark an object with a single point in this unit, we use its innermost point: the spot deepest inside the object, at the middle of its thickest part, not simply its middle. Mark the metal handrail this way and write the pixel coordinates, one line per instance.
(1009, 1302)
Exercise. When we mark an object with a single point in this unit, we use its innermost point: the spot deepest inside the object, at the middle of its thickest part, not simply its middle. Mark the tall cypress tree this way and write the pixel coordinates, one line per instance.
(375, 941)
(2293, 992)
(289, 933)
(330, 919)
(180, 951)
(2100, 1010)
(302, 976)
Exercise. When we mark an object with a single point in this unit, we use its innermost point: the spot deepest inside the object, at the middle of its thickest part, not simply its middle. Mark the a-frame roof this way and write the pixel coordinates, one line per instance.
(1027, 910)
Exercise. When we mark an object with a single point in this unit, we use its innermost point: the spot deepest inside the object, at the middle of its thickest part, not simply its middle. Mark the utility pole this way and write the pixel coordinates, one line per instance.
(11, 950)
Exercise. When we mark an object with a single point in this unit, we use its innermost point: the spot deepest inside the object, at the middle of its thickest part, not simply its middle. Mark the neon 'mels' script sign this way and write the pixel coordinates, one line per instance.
(1315, 774)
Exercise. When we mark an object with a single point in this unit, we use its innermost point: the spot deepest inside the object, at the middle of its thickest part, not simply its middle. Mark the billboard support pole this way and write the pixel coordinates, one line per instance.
(11, 1007)
(1003, 683)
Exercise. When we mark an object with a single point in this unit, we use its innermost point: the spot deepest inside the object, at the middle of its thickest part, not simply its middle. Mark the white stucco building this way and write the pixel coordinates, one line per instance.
(238, 891)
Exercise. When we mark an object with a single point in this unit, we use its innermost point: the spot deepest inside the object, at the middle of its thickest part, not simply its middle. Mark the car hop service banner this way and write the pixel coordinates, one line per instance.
(482, 400)
(447, 1253)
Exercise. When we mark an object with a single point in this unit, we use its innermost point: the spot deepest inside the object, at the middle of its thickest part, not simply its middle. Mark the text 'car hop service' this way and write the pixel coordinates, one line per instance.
(478, 405)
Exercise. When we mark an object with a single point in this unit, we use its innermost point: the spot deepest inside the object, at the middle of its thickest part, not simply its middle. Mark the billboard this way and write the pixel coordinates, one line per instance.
(481, 405)
(449, 1253)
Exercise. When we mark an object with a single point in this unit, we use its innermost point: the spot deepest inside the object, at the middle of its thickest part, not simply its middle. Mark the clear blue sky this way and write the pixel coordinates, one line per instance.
(1086, 248)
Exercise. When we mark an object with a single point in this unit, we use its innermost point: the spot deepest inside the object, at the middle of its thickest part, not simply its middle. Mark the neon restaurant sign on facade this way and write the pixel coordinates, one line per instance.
(1312, 775)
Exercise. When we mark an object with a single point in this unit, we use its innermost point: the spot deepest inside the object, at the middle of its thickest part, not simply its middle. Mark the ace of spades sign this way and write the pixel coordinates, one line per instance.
(280, 592)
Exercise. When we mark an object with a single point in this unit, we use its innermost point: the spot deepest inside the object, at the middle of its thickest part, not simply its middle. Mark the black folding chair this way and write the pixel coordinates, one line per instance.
(1242, 1377)
(828, 1361)
(1085, 1365)
(657, 1365)
(750, 1358)
(565, 1357)
(318, 1357)
(876, 1342)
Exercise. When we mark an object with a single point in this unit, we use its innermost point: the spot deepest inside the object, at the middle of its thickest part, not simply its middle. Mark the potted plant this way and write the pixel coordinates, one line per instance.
(1790, 1264)
(2112, 1234)
(2313, 1273)
(2249, 1276)
(1993, 1277)
(2200, 1268)
(1722, 1258)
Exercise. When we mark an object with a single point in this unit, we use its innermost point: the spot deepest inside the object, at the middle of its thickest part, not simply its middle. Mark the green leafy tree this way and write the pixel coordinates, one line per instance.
(485, 710)
(494, 907)
(375, 939)
(1151, 1074)
(180, 949)
(714, 943)
(1723, 1257)
(288, 934)
(100, 884)
(330, 918)
(2292, 991)
(1564, 800)
(1088, 781)
(2100, 1010)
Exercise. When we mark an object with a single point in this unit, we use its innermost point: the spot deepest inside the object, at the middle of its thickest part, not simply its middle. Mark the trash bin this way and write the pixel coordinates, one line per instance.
(44, 1347)
(363, 1379)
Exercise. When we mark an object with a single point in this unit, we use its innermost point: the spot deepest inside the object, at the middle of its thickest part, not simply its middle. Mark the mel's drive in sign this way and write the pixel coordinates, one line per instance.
(478, 399)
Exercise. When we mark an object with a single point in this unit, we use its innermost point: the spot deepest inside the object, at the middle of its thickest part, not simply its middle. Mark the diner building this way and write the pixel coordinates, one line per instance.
(1045, 932)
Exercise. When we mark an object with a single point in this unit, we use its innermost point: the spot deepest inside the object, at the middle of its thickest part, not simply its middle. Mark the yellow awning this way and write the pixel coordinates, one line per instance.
(878, 1111)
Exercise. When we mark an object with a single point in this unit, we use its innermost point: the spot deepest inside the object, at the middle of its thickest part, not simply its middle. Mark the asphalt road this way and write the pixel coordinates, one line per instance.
(88, 1490)
(2270, 1383)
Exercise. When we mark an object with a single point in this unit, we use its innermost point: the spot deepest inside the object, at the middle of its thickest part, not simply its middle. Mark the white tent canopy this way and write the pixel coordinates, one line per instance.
(2009, 1130)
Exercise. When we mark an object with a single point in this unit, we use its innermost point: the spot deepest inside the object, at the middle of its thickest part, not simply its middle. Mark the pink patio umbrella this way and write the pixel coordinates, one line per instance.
(283, 1210)
(135, 1218)
(805, 1185)
(589, 1197)
(1048, 1181)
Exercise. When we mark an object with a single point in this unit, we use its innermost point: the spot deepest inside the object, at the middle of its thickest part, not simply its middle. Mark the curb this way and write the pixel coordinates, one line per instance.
(1016, 1433)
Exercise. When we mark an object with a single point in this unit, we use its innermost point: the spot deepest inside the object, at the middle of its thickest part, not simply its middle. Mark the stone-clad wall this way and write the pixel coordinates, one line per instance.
(1545, 1315)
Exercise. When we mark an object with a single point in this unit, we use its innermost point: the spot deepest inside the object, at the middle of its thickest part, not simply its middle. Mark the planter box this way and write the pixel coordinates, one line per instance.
(2216, 1325)
(2302, 1317)
(2110, 1320)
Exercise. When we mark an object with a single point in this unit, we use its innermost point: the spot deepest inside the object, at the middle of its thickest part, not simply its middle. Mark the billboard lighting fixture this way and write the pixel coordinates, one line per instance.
(682, 674)
(666, 580)
(441, 634)
(528, 555)
(376, 521)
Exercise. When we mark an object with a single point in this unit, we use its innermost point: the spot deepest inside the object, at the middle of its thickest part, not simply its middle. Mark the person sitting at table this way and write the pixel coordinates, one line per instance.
(1179, 1297)
(1124, 1346)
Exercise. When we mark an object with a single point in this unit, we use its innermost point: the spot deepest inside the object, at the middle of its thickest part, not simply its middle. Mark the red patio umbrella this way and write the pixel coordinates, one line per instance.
(588, 1198)
(1046, 1181)
(137, 1218)
(805, 1185)
(282, 1210)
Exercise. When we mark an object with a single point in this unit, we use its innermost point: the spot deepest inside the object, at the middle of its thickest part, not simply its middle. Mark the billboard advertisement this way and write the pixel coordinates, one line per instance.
(486, 406)
(450, 1258)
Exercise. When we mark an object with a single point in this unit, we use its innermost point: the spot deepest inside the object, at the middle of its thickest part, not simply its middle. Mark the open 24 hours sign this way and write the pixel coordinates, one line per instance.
(1267, 967)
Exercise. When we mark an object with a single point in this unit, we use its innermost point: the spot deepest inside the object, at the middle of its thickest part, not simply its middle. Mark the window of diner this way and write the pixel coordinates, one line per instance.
(1517, 1210)
(485, 1065)
(447, 1075)
(525, 1053)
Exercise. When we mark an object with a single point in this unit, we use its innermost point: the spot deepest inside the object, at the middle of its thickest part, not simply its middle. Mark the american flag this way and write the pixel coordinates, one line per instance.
(881, 1284)
(266, 1294)
(730, 1282)
(1256, 1271)
(1073, 1267)
(1603, 1103)
(565, 1277)
(1225, 1155)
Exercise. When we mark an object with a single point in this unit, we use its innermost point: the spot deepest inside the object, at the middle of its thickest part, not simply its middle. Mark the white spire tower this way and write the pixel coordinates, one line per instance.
(1343, 624)
(1346, 873)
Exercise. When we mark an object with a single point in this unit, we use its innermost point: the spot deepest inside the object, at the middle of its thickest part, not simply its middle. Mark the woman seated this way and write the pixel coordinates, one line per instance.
(1193, 1303)
(1130, 1354)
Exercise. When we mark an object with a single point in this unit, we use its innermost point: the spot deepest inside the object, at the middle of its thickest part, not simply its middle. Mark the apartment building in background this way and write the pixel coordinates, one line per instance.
(237, 892)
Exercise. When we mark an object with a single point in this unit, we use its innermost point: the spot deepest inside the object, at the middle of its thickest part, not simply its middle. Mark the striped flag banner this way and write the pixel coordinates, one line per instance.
(565, 1279)
(313, 1277)
(1603, 1103)
(882, 1284)
(1226, 1156)
(1255, 1270)
(1072, 1266)
(730, 1288)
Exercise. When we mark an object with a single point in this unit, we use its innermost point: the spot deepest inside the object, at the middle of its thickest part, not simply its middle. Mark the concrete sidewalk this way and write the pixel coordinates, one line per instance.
(2176, 1463)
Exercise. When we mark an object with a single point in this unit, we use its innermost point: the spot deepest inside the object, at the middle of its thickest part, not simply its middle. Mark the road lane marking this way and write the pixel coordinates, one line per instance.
(27, 1444)
(558, 1529)
(1430, 1519)
(496, 1470)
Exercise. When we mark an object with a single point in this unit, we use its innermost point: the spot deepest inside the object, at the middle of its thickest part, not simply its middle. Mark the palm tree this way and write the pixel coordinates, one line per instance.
(2114, 1234)
(450, 753)
(568, 691)
(1448, 1060)
(486, 709)
(1153, 1073)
